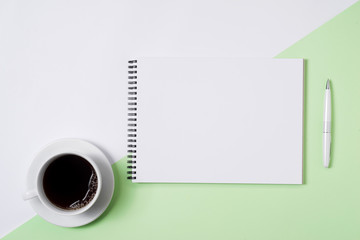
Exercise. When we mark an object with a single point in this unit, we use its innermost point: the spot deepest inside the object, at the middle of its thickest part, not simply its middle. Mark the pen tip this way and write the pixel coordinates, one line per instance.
(328, 84)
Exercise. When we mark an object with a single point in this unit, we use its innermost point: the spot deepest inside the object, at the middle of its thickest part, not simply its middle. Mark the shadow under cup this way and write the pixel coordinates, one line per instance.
(69, 183)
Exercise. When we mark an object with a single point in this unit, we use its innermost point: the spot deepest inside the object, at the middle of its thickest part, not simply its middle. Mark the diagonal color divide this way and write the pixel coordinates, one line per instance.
(79, 49)
(326, 207)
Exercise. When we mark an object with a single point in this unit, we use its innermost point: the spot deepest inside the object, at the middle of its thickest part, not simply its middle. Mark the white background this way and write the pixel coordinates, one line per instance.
(63, 65)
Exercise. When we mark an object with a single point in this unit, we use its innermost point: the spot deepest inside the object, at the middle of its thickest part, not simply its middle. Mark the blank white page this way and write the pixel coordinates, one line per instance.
(219, 120)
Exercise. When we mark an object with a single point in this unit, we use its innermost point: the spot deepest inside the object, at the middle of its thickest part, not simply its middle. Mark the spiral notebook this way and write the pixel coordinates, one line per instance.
(203, 120)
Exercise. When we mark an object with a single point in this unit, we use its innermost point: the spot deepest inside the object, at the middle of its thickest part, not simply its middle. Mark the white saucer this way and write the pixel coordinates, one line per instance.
(80, 146)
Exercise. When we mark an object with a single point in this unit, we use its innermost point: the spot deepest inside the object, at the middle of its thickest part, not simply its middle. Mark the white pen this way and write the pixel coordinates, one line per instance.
(327, 126)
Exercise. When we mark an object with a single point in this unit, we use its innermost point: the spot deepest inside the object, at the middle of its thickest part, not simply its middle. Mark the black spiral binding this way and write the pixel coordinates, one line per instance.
(132, 119)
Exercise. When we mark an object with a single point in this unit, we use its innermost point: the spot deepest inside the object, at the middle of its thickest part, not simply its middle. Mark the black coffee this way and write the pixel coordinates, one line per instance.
(70, 182)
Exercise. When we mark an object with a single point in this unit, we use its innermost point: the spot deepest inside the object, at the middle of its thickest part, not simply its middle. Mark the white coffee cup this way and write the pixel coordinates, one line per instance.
(38, 192)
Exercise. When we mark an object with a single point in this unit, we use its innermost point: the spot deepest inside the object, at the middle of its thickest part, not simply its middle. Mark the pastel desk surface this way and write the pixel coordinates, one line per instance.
(326, 206)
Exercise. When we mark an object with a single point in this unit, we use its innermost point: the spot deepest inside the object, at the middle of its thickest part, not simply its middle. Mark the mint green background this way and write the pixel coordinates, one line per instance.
(327, 206)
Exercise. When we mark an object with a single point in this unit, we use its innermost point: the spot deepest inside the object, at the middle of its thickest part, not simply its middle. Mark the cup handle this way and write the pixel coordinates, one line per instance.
(30, 194)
